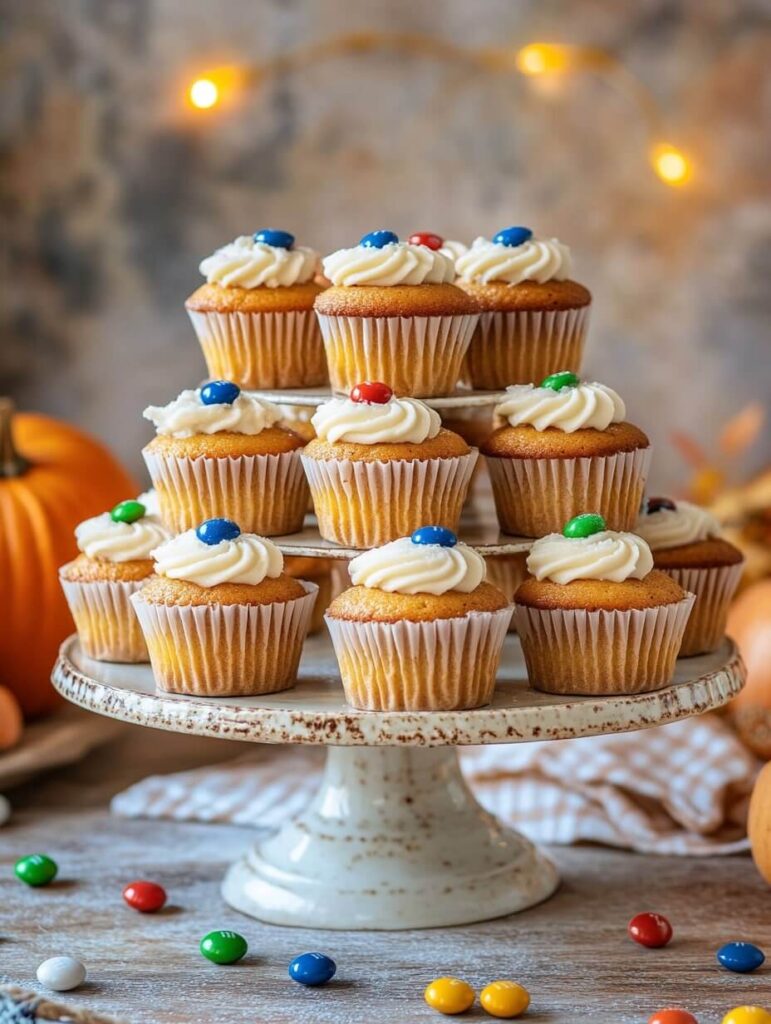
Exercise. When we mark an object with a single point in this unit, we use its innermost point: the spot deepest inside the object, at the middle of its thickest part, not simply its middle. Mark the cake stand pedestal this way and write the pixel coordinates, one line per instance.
(394, 838)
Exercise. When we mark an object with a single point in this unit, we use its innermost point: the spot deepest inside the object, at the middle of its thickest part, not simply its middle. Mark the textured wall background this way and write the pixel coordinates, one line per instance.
(111, 191)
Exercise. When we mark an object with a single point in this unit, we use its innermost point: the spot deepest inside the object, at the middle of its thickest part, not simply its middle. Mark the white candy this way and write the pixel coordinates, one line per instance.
(61, 973)
(5, 809)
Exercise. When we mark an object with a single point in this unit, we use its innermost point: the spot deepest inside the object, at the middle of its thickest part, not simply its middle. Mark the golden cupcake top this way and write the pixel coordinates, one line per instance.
(216, 553)
(381, 260)
(513, 256)
(218, 407)
(562, 401)
(586, 550)
(267, 259)
(127, 533)
(430, 561)
(664, 523)
(372, 414)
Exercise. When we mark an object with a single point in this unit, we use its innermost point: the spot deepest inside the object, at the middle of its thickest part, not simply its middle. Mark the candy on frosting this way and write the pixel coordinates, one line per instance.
(245, 559)
(452, 249)
(670, 528)
(246, 263)
(538, 260)
(103, 539)
(395, 263)
(187, 415)
(603, 556)
(400, 420)
(572, 408)
(402, 567)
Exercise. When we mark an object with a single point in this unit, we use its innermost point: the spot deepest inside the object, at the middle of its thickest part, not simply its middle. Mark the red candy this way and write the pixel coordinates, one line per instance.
(371, 391)
(650, 930)
(672, 1017)
(146, 897)
(427, 238)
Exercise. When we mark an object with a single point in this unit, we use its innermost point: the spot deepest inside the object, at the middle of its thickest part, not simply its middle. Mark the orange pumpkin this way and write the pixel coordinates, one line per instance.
(759, 823)
(52, 476)
(749, 623)
(11, 723)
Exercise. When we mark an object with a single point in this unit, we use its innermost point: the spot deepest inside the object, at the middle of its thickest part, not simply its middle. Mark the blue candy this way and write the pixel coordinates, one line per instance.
(434, 535)
(513, 236)
(274, 237)
(220, 392)
(312, 969)
(377, 239)
(740, 957)
(215, 530)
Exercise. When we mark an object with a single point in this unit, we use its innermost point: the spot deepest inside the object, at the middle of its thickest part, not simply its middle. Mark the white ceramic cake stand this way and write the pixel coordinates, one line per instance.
(393, 838)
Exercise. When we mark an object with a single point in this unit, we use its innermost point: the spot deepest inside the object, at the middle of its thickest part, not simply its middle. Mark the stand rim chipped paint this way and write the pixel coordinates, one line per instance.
(393, 839)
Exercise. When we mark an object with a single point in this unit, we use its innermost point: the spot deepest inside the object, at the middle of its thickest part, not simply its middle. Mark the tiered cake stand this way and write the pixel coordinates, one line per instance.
(393, 838)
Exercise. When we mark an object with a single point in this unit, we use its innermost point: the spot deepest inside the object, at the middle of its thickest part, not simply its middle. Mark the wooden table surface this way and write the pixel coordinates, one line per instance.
(571, 953)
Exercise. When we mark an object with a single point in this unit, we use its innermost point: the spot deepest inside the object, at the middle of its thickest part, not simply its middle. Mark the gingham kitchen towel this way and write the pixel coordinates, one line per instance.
(676, 789)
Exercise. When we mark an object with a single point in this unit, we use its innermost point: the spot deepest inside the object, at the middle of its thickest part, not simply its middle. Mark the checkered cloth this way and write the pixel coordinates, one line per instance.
(676, 789)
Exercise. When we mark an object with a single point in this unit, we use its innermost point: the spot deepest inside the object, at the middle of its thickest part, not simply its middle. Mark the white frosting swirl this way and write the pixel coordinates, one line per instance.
(245, 263)
(603, 556)
(405, 420)
(187, 415)
(535, 260)
(453, 250)
(583, 407)
(395, 263)
(298, 413)
(671, 528)
(102, 539)
(402, 567)
(150, 501)
(247, 559)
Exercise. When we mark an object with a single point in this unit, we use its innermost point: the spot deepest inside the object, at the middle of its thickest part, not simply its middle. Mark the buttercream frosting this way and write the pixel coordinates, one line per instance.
(188, 415)
(671, 528)
(453, 249)
(103, 539)
(538, 260)
(392, 264)
(405, 420)
(245, 263)
(246, 559)
(582, 407)
(150, 501)
(403, 567)
(607, 555)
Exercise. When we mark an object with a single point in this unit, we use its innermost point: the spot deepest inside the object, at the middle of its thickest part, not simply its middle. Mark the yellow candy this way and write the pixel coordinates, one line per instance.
(449, 995)
(504, 999)
(747, 1015)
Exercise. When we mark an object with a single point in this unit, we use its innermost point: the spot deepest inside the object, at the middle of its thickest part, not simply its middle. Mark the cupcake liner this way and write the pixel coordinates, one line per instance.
(441, 665)
(534, 497)
(526, 346)
(264, 494)
(364, 504)
(602, 652)
(418, 356)
(262, 350)
(714, 588)
(507, 572)
(226, 650)
(107, 627)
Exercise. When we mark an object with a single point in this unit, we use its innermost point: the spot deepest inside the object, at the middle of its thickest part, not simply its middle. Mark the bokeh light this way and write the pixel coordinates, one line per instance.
(670, 164)
(204, 94)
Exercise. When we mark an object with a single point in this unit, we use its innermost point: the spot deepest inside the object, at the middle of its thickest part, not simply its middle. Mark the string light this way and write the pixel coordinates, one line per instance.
(671, 164)
(204, 94)
(543, 59)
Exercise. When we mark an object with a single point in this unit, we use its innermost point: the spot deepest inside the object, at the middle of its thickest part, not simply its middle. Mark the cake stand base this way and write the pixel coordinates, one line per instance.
(394, 839)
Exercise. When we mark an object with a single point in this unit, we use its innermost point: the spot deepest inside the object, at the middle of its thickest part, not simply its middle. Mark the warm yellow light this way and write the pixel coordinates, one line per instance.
(543, 59)
(671, 165)
(204, 93)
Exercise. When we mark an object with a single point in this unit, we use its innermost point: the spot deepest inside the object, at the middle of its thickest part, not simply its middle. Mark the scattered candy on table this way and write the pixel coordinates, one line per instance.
(372, 392)
(146, 897)
(747, 1015)
(5, 809)
(504, 999)
(449, 995)
(36, 870)
(672, 1016)
(312, 969)
(651, 930)
(61, 973)
(741, 957)
(223, 947)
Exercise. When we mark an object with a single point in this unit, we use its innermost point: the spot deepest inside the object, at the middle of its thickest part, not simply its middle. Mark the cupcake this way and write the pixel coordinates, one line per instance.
(380, 466)
(534, 318)
(115, 561)
(595, 617)
(220, 617)
(254, 316)
(394, 314)
(220, 451)
(565, 447)
(686, 544)
(318, 571)
(420, 629)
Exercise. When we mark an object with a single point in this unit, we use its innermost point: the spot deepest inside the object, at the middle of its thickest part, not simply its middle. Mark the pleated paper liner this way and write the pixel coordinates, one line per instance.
(442, 665)
(107, 627)
(534, 497)
(714, 589)
(420, 356)
(524, 347)
(572, 651)
(229, 650)
(264, 494)
(263, 350)
(507, 572)
(365, 504)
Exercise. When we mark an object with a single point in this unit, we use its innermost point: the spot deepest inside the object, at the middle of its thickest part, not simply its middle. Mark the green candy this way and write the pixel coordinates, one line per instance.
(584, 525)
(223, 947)
(557, 381)
(36, 870)
(128, 512)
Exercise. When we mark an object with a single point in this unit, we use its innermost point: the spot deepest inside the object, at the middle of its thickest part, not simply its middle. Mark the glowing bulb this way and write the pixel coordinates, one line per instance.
(671, 165)
(204, 93)
(542, 59)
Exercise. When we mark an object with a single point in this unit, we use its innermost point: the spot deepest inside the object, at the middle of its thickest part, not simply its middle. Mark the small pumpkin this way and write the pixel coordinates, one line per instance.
(759, 823)
(749, 623)
(11, 723)
(52, 476)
